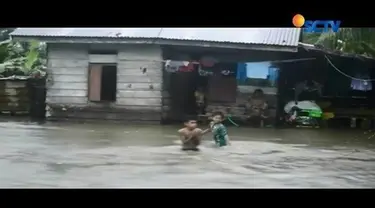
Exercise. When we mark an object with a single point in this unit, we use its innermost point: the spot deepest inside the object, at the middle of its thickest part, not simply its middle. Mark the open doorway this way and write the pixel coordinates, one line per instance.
(102, 82)
(188, 91)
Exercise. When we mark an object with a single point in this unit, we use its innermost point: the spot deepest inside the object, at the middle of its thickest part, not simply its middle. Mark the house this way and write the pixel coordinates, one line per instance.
(118, 73)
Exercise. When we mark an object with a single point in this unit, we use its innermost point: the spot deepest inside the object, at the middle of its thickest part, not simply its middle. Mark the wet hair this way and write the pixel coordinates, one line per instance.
(258, 92)
(218, 113)
(190, 118)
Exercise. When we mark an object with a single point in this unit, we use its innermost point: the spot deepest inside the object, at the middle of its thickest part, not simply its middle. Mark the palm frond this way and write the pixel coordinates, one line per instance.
(351, 40)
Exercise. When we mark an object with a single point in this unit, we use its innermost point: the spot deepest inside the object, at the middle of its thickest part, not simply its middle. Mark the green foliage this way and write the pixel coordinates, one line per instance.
(20, 58)
(4, 33)
(310, 38)
(350, 40)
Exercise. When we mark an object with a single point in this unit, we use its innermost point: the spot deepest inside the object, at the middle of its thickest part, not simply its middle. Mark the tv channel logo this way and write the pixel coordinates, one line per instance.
(316, 25)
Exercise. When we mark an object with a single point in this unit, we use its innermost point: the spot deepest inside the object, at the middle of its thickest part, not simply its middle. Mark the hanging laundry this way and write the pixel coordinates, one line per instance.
(187, 67)
(175, 66)
(172, 66)
(226, 72)
(203, 72)
(206, 69)
(360, 83)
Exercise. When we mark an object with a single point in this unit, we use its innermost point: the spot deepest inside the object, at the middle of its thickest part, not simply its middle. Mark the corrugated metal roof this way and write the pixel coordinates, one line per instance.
(265, 36)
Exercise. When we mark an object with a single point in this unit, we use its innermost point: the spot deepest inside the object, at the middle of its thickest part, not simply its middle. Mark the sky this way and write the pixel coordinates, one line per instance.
(258, 69)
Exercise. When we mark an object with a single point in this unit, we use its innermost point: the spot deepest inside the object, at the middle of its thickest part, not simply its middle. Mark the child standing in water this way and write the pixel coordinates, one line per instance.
(191, 135)
(200, 100)
(219, 131)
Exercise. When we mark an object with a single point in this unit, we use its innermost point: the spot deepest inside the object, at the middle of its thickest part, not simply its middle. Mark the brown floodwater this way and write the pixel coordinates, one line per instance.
(113, 155)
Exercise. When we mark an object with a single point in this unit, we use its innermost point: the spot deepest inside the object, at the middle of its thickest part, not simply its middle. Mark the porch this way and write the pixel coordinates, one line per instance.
(223, 89)
(340, 75)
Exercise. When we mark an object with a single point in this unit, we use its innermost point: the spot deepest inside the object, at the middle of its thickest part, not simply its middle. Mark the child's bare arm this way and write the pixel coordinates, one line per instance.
(265, 105)
(205, 131)
(183, 139)
(211, 125)
(200, 132)
(180, 131)
(183, 136)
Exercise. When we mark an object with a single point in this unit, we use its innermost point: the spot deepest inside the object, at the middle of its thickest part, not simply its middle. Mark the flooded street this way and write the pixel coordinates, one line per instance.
(112, 155)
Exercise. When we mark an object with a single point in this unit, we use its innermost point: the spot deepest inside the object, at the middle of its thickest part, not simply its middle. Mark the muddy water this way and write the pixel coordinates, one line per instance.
(80, 155)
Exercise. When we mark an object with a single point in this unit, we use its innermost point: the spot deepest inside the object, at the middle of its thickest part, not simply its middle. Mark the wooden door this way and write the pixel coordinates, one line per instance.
(95, 82)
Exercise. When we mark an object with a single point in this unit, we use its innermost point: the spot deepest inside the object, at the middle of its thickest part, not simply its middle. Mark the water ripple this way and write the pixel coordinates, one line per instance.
(34, 155)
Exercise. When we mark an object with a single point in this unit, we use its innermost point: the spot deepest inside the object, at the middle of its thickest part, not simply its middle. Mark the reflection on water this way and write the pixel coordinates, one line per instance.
(78, 155)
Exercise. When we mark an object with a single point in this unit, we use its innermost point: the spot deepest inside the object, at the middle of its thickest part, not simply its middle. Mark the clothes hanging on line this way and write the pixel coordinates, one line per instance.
(187, 67)
(203, 72)
(178, 66)
(361, 85)
(173, 66)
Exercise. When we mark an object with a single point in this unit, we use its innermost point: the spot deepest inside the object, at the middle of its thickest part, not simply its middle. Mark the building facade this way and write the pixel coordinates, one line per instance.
(117, 74)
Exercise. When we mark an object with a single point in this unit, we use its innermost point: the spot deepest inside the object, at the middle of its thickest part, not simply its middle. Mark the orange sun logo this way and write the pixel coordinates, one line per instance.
(298, 20)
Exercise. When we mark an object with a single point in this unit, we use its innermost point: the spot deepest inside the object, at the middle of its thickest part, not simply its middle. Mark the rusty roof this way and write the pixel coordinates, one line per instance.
(261, 36)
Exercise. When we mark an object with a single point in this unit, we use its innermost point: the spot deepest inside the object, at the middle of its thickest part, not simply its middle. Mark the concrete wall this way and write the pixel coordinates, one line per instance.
(138, 94)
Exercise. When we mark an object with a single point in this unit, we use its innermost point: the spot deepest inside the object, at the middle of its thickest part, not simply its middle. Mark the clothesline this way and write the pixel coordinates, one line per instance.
(198, 62)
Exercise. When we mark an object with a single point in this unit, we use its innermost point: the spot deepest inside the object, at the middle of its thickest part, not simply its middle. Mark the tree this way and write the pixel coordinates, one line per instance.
(18, 58)
(350, 40)
(4, 33)
(21, 59)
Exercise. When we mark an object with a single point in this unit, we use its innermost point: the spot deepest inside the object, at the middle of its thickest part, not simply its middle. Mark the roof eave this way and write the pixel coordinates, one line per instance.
(197, 43)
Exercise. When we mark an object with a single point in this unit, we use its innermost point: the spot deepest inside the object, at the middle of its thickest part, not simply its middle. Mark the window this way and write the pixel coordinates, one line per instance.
(259, 74)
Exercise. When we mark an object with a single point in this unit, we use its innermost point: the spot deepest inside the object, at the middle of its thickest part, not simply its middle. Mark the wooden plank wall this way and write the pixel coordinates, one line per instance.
(135, 89)
(138, 95)
(68, 70)
(14, 97)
